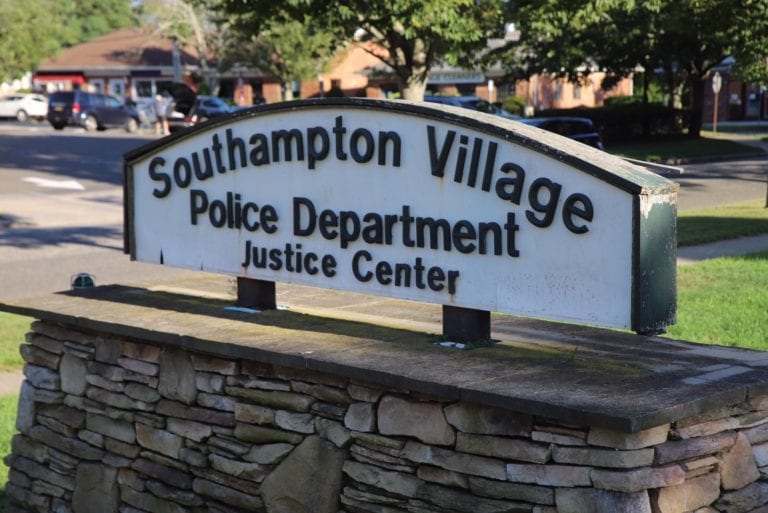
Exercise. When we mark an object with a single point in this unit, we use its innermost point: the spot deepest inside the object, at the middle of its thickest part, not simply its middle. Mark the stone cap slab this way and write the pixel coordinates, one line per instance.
(573, 374)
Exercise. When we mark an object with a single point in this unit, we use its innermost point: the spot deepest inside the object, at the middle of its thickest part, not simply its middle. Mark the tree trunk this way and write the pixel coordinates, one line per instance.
(698, 86)
(413, 89)
(287, 88)
(646, 100)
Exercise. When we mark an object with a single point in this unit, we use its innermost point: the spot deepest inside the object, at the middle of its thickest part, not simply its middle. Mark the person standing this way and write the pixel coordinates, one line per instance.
(162, 103)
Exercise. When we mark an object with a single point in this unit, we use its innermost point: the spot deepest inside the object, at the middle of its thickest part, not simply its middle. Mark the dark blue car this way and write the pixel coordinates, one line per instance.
(91, 111)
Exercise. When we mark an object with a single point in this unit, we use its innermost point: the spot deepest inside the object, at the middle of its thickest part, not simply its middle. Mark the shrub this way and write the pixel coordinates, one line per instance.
(514, 104)
(335, 92)
(620, 121)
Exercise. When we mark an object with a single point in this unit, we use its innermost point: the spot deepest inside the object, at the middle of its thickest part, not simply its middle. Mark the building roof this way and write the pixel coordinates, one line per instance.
(121, 49)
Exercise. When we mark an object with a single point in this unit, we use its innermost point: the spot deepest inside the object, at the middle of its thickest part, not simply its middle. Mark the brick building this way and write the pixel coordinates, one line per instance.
(131, 64)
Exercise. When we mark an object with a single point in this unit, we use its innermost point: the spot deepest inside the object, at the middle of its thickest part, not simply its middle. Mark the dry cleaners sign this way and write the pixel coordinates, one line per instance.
(403, 200)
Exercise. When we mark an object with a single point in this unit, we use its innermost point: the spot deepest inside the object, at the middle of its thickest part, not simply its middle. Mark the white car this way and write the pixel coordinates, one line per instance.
(23, 106)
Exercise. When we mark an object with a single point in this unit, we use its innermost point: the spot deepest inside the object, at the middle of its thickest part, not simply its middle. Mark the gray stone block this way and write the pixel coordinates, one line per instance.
(637, 480)
(424, 421)
(589, 500)
(268, 454)
(745, 500)
(473, 418)
(73, 372)
(177, 379)
(398, 483)
(297, 422)
(738, 468)
(274, 399)
(42, 377)
(506, 448)
(361, 417)
(228, 495)
(159, 440)
(96, 489)
(549, 475)
(307, 481)
(458, 462)
(619, 440)
(25, 413)
(691, 495)
(119, 430)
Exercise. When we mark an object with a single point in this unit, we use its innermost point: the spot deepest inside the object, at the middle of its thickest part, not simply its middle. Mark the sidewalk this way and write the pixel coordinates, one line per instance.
(743, 245)
(10, 382)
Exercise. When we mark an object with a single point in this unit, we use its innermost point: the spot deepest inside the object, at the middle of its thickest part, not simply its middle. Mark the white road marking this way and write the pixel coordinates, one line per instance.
(55, 184)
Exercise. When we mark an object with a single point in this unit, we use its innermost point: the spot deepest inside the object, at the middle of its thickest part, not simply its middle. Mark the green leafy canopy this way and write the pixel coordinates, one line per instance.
(409, 35)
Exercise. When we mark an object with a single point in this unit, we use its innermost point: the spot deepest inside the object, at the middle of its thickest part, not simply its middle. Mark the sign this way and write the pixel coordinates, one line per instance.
(455, 77)
(717, 83)
(412, 201)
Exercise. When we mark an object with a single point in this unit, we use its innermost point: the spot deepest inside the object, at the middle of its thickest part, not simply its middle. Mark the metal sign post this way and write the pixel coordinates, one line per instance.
(717, 83)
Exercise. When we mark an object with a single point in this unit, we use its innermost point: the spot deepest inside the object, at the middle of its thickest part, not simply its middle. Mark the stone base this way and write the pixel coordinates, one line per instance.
(113, 422)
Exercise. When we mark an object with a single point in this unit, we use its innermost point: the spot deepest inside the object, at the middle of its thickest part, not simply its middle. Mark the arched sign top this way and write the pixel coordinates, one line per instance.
(414, 201)
(618, 172)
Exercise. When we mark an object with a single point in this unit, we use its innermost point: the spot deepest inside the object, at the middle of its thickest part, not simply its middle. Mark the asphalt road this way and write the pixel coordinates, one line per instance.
(61, 206)
(61, 210)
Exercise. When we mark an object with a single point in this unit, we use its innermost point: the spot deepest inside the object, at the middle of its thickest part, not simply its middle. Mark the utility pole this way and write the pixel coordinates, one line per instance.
(176, 60)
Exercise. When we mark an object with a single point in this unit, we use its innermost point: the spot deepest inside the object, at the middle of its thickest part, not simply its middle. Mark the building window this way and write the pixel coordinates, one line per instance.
(143, 88)
(559, 90)
(577, 91)
(97, 85)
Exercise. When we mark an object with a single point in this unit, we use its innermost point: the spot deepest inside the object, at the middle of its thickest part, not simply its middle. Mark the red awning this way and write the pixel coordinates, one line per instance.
(75, 79)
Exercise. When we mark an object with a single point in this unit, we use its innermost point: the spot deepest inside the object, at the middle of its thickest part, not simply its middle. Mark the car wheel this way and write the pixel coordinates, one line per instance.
(131, 125)
(57, 126)
(22, 115)
(90, 124)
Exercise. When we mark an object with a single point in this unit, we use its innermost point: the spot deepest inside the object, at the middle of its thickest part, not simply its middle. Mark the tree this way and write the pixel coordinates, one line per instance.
(184, 23)
(290, 51)
(22, 47)
(32, 30)
(409, 35)
(752, 51)
(83, 20)
(686, 39)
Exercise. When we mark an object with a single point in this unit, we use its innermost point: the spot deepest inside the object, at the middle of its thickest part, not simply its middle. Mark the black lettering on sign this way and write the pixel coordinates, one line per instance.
(157, 176)
(403, 274)
(547, 206)
(232, 212)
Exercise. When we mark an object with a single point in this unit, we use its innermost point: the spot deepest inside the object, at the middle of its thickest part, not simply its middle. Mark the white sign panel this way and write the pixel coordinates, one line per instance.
(397, 200)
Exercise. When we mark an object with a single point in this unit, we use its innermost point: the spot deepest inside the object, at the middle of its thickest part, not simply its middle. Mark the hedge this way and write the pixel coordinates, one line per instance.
(619, 122)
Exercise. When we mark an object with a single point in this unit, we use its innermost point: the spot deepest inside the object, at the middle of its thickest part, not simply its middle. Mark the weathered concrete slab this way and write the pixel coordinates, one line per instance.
(571, 373)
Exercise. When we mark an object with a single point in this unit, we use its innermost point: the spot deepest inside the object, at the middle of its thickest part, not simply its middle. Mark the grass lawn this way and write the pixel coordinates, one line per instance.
(8, 406)
(12, 331)
(720, 223)
(673, 149)
(723, 301)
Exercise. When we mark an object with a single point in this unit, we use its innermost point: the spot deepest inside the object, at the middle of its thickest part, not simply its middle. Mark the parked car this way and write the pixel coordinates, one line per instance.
(579, 129)
(91, 111)
(23, 106)
(471, 102)
(202, 109)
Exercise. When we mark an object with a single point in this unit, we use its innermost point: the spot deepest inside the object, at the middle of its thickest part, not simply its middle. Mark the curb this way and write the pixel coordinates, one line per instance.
(713, 158)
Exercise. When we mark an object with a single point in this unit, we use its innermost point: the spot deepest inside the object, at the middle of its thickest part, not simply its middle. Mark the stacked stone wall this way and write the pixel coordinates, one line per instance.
(108, 425)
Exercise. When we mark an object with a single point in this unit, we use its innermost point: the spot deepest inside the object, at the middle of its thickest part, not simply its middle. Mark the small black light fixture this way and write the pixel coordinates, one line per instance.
(82, 281)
